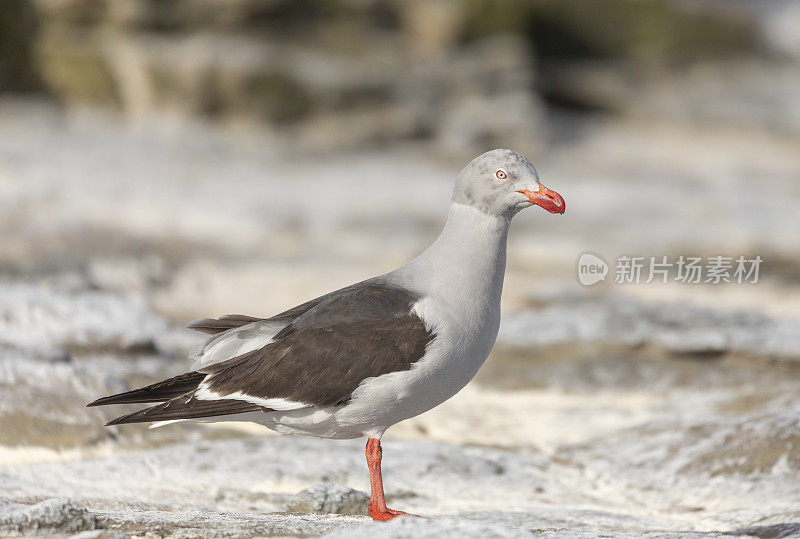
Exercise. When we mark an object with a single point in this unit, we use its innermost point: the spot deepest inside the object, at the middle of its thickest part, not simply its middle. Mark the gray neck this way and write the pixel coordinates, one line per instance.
(467, 260)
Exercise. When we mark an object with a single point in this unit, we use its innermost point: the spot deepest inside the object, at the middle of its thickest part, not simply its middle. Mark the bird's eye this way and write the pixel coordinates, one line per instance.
(501, 174)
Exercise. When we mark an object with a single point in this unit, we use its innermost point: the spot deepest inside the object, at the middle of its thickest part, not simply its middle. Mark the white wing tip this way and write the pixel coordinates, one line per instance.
(278, 404)
(164, 423)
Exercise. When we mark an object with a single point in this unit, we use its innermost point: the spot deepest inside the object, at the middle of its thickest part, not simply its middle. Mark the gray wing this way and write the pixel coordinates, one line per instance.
(235, 334)
(325, 353)
(318, 357)
(227, 322)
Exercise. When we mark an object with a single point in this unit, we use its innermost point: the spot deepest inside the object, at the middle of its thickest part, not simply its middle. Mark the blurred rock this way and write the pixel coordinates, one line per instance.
(431, 28)
(43, 405)
(776, 531)
(355, 74)
(53, 516)
(675, 328)
(779, 26)
(334, 74)
(656, 34)
(63, 348)
(754, 436)
(742, 95)
(729, 95)
(348, 74)
(75, 68)
(127, 274)
(492, 103)
(327, 498)
(38, 317)
(18, 33)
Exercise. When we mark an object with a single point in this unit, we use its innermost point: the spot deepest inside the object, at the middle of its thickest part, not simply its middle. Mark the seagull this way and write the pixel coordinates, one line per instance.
(354, 362)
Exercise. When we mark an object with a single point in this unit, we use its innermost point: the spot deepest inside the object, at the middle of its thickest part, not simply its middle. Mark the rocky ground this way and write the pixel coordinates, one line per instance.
(596, 435)
(618, 410)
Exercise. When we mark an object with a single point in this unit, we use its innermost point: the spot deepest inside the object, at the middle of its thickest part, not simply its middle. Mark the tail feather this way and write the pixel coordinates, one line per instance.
(223, 323)
(187, 407)
(158, 392)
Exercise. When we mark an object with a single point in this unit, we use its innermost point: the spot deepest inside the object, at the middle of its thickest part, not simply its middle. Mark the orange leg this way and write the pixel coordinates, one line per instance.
(377, 503)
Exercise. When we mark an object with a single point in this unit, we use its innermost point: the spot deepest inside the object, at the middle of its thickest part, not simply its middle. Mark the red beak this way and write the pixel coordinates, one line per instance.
(547, 199)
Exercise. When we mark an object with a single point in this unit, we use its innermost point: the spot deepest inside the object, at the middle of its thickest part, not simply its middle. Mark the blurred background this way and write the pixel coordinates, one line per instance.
(162, 161)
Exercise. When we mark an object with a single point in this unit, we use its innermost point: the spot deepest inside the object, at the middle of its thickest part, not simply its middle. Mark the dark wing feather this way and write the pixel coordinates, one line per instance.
(158, 392)
(232, 321)
(222, 324)
(330, 345)
(187, 407)
(324, 354)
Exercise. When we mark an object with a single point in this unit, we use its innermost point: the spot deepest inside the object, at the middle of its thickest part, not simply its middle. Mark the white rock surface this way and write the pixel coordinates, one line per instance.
(53, 516)
(672, 327)
(327, 498)
(42, 317)
(618, 442)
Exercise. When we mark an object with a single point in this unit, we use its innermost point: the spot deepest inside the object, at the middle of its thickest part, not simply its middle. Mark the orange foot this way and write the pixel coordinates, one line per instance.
(387, 514)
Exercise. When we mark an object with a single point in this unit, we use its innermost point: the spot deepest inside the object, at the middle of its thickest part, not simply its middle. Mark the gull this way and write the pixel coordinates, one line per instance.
(354, 362)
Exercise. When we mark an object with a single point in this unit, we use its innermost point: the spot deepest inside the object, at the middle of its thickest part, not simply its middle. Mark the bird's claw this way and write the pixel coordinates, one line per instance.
(386, 514)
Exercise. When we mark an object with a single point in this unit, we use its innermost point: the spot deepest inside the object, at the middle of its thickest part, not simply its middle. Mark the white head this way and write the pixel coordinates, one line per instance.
(503, 182)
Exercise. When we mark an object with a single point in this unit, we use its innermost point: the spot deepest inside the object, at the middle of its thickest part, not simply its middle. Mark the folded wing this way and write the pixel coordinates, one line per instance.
(318, 358)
